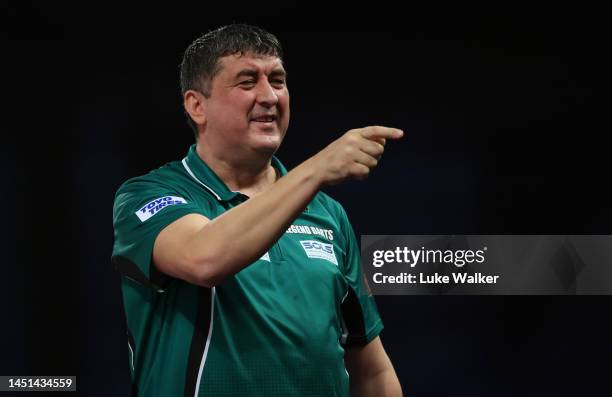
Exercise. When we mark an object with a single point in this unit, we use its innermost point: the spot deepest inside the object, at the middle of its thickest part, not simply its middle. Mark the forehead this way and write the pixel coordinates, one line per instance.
(233, 64)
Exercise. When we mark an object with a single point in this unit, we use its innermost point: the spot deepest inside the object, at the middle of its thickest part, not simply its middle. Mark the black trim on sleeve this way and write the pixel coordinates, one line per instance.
(129, 269)
(198, 341)
(157, 277)
(353, 320)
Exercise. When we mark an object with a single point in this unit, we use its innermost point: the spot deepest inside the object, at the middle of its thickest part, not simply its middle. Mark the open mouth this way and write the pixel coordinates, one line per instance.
(265, 119)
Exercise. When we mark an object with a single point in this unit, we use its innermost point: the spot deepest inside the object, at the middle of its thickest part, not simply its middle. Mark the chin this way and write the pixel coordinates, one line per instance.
(266, 142)
(268, 148)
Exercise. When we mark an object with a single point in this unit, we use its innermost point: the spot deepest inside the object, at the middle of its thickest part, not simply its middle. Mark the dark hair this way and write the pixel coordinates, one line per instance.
(201, 59)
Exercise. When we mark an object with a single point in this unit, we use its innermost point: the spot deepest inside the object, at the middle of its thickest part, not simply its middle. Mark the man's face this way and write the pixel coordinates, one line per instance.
(248, 108)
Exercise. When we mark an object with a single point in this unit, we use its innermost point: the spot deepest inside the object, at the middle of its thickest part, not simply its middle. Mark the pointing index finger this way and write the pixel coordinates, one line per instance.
(374, 133)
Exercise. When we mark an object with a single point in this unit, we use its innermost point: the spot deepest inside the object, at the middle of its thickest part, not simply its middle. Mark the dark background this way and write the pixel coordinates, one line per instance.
(506, 114)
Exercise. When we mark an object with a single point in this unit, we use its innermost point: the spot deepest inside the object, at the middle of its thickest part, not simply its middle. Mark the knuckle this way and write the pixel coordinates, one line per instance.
(351, 133)
(353, 140)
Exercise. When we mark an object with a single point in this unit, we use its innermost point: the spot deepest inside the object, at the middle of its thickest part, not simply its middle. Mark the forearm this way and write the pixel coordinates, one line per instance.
(382, 384)
(238, 237)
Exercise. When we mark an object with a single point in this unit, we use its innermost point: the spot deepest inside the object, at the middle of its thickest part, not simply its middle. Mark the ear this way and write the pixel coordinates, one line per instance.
(195, 106)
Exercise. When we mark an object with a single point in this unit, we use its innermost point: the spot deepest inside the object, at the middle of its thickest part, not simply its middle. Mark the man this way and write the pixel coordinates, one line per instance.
(240, 278)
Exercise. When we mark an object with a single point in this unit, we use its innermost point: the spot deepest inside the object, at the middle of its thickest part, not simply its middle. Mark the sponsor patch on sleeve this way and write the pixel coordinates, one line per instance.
(153, 207)
(319, 250)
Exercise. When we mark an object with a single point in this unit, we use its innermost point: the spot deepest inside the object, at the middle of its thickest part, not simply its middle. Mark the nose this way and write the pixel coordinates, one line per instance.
(266, 96)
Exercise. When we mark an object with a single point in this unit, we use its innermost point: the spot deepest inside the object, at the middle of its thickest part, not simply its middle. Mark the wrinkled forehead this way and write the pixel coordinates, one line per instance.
(233, 64)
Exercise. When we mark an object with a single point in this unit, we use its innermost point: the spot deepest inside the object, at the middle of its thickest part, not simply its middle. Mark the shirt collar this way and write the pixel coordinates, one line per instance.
(206, 177)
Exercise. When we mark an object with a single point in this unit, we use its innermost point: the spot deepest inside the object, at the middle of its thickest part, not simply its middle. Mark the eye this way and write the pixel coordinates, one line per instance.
(279, 82)
(247, 82)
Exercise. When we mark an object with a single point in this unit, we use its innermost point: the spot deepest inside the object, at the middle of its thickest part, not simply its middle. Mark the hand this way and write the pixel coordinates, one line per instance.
(354, 154)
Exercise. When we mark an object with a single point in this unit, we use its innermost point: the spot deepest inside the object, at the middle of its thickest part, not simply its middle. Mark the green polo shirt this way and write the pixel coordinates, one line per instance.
(277, 328)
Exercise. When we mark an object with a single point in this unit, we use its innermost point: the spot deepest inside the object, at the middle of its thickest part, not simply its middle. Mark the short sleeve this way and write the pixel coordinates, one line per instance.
(361, 320)
(141, 210)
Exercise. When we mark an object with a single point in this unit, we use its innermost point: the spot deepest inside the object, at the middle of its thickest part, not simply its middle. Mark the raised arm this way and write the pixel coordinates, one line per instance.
(204, 252)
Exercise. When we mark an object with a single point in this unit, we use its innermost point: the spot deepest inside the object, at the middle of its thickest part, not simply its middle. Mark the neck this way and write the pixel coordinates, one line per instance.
(248, 176)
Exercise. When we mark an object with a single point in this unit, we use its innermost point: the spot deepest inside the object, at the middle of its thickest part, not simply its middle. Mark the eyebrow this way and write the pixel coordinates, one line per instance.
(279, 73)
(253, 73)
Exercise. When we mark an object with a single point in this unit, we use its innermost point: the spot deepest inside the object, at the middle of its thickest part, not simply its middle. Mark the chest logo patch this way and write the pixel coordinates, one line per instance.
(319, 250)
(153, 207)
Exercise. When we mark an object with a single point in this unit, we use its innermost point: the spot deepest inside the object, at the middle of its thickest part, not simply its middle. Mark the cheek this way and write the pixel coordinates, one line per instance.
(238, 100)
(234, 108)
